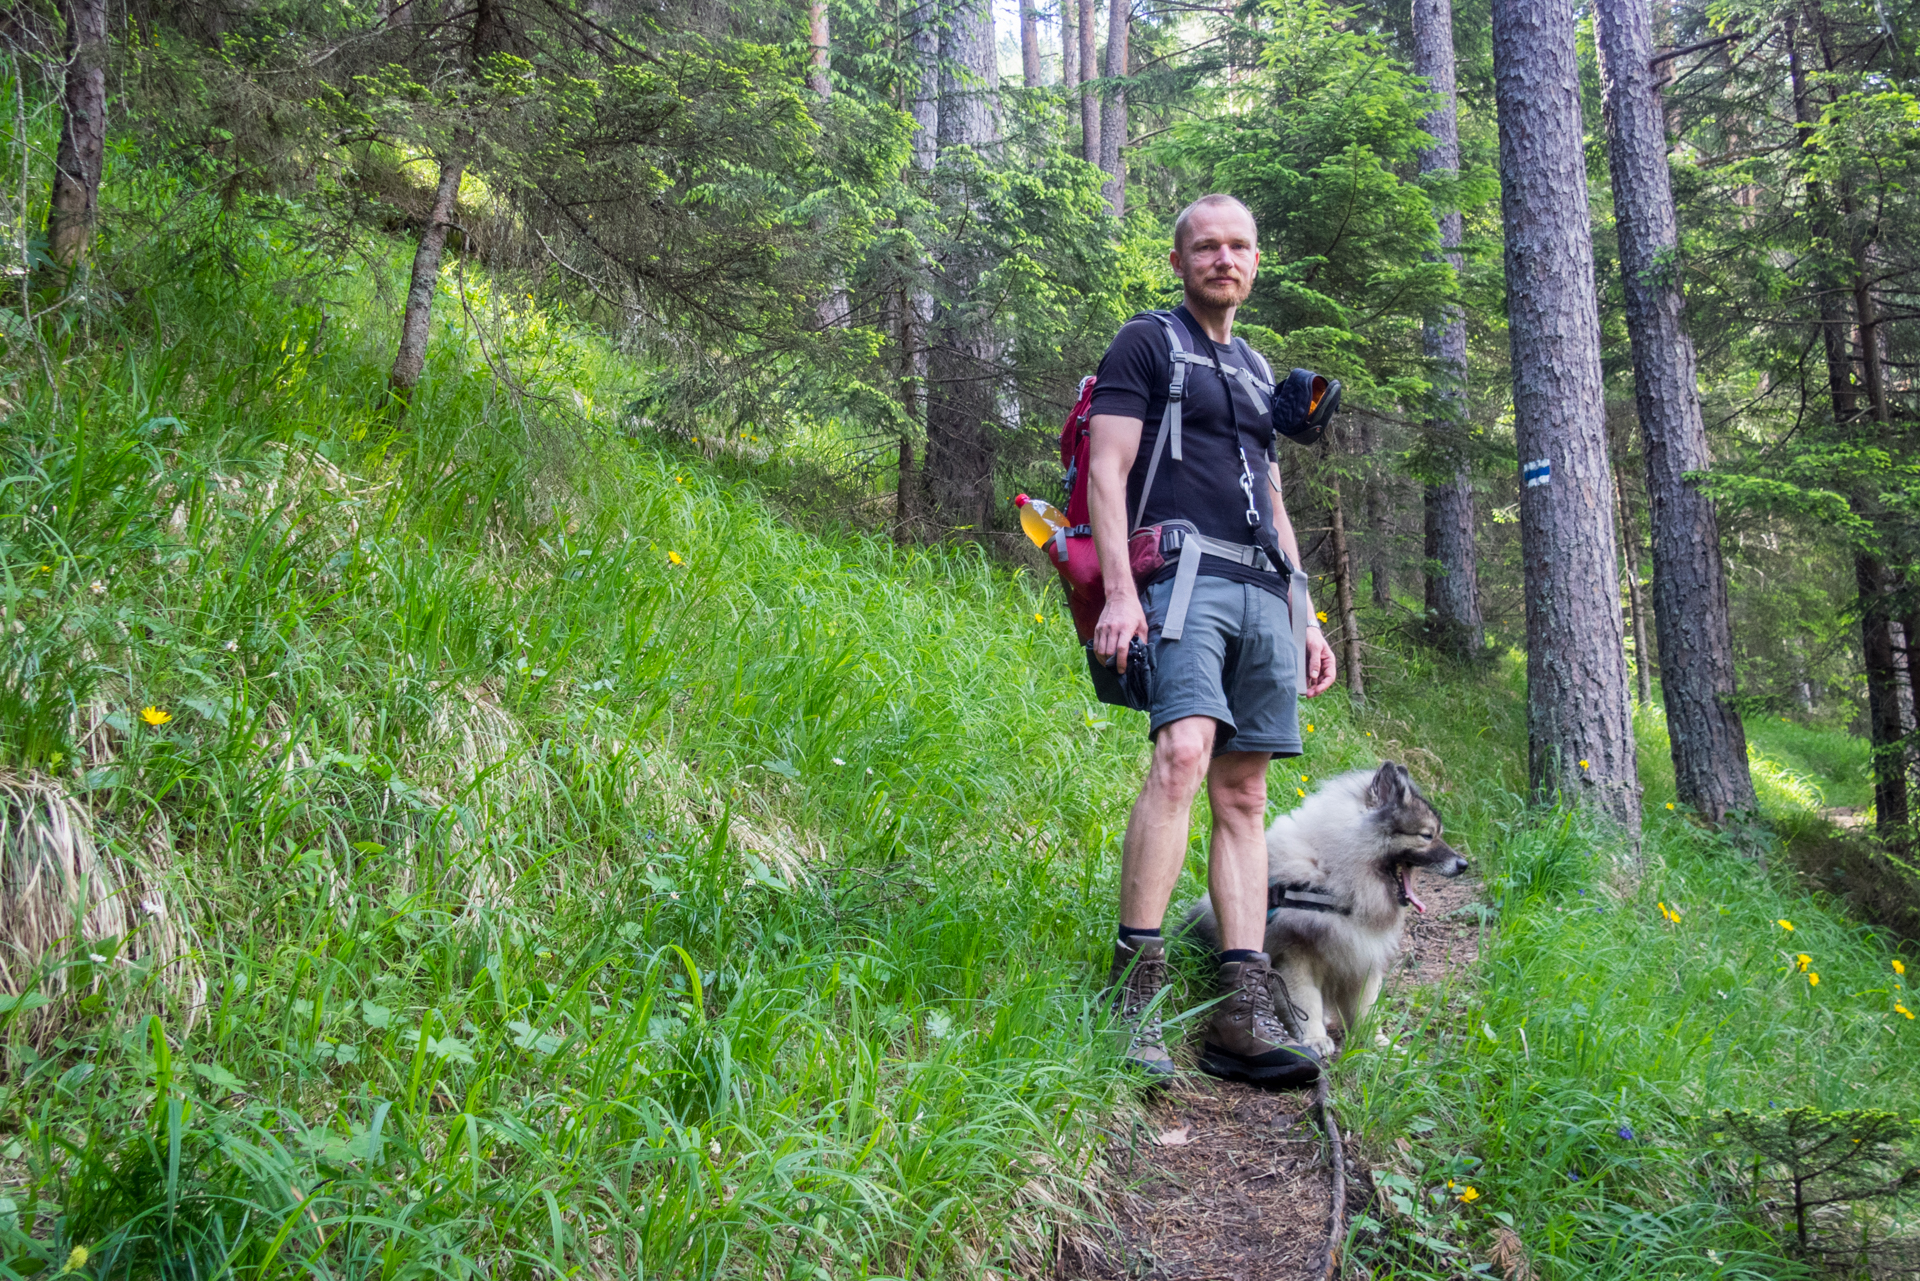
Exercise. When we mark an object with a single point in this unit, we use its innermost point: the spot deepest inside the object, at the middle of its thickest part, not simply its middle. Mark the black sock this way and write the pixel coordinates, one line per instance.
(1128, 933)
(1234, 954)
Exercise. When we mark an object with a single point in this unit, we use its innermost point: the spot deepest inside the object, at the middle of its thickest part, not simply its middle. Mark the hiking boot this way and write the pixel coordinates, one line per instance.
(1139, 975)
(1246, 1040)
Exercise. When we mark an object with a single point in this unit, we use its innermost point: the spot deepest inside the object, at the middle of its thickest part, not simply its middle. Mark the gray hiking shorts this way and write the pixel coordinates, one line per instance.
(1234, 662)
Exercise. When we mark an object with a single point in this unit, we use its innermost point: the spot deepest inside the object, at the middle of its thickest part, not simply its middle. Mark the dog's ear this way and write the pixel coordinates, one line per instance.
(1390, 786)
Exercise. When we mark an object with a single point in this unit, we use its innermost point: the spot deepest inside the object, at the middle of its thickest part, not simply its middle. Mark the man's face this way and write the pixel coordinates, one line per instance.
(1218, 261)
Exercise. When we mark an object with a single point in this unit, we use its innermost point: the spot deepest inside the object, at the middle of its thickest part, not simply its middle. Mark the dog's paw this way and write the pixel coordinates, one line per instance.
(1321, 1045)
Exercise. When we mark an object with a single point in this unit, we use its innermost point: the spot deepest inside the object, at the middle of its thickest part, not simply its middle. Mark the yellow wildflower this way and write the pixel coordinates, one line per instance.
(1309, 729)
(1804, 961)
(1299, 791)
(1813, 980)
(1901, 1009)
(154, 716)
(1321, 615)
(675, 558)
(1899, 967)
(1785, 925)
(1469, 1194)
(1583, 765)
(1038, 619)
(76, 1259)
(1669, 804)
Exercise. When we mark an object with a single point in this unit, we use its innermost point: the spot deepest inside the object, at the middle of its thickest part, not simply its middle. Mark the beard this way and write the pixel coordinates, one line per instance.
(1222, 293)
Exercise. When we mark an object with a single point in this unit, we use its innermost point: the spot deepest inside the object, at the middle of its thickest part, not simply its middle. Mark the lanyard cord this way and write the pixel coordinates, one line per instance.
(1247, 483)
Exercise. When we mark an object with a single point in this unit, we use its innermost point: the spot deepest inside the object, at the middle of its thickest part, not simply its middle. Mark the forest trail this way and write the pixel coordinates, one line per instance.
(1225, 1182)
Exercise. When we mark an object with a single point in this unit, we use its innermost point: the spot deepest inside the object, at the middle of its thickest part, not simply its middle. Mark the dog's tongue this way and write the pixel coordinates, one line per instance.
(1406, 888)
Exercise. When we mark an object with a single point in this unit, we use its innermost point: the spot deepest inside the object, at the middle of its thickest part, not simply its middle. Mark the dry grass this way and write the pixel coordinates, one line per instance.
(74, 909)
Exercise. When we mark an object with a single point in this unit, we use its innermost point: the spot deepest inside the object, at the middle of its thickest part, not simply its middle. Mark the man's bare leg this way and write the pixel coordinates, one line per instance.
(1155, 849)
(1237, 861)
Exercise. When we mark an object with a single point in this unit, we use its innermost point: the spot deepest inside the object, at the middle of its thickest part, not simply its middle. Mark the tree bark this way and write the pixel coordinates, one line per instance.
(1030, 43)
(1709, 743)
(1452, 578)
(1883, 698)
(926, 91)
(1070, 58)
(820, 57)
(1580, 735)
(1113, 112)
(1870, 576)
(1089, 100)
(83, 134)
(416, 322)
(916, 319)
(1343, 598)
(962, 367)
(1636, 600)
(1380, 518)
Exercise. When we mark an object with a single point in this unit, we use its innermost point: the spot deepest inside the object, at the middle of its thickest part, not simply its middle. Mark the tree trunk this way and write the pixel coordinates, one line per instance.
(916, 318)
(1343, 597)
(1380, 519)
(1089, 100)
(83, 134)
(1070, 58)
(1113, 112)
(1452, 578)
(1883, 699)
(962, 368)
(820, 37)
(1636, 601)
(1709, 743)
(1580, 736)
(414, 325)
(1030, 43)
(1876, 631)
(926, 90)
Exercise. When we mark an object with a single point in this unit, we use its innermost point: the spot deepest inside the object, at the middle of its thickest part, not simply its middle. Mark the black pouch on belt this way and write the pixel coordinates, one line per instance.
(1131, 688)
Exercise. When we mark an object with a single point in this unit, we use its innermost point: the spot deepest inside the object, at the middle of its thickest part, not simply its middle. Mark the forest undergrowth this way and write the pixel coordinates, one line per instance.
(493, 843)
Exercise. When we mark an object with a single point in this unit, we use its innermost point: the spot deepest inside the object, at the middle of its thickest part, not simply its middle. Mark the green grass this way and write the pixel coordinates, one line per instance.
(589, 872)
(587, 868)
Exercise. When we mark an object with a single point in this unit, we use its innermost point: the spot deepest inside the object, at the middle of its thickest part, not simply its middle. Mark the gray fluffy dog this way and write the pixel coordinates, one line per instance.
(1340, 880)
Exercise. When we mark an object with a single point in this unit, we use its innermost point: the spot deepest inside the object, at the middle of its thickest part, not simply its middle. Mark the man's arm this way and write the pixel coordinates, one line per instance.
(1320, 665)
(1115, 443)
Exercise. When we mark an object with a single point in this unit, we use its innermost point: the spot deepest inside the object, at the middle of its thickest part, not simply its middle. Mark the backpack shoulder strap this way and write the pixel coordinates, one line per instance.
(1255, 375)
(1167, 439)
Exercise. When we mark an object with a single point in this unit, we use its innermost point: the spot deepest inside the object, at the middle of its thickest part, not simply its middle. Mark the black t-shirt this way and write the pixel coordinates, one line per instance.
(1218, 421)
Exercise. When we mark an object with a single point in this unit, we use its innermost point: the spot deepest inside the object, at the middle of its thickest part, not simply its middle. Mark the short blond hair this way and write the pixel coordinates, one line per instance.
(1207, 202)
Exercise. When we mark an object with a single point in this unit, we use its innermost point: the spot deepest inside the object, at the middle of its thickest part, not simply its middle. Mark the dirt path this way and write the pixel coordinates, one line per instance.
(1225, 1182)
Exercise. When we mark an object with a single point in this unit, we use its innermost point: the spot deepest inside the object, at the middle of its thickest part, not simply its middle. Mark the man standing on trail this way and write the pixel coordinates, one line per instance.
(1222, 699)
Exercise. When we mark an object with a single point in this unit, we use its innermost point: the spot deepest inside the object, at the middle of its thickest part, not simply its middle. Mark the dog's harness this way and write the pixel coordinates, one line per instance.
(1303, 896)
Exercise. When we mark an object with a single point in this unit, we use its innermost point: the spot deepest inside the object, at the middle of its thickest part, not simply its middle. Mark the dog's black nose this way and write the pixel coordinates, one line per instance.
(1454, 868)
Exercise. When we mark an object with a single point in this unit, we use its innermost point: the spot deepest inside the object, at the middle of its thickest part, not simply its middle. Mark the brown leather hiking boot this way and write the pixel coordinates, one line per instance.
(1138, 976)
(1246, 1040)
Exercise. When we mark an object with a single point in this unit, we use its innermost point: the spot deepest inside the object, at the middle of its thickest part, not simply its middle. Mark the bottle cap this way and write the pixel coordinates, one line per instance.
(1021, 500)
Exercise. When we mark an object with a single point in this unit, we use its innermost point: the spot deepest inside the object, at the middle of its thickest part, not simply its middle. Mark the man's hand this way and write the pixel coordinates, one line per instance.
(1320, 664)
(1120, 621)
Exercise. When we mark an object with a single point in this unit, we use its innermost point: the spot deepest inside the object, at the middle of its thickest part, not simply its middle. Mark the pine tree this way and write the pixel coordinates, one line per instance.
(962, 373)
(1689, 582)
(1580, 736)
(83, 133)
(1453, 585)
